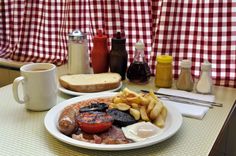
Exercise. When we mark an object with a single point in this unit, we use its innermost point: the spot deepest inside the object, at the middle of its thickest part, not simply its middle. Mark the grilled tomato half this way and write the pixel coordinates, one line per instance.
(94, 122)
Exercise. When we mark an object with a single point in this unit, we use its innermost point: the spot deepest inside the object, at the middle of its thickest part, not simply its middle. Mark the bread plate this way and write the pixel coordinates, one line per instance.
(172, 125)
(74, 93)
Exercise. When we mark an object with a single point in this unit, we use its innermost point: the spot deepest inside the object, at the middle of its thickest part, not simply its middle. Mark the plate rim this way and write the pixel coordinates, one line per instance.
(74, 93)
(53, 114)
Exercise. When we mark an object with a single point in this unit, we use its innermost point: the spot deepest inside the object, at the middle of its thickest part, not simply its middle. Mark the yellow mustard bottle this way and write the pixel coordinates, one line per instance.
(164, 76)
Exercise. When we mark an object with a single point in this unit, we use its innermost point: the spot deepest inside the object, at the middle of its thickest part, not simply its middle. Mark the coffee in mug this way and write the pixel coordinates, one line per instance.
(39, 83)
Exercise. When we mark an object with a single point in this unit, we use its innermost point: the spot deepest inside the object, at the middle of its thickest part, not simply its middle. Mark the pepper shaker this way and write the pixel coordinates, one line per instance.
(185, 80)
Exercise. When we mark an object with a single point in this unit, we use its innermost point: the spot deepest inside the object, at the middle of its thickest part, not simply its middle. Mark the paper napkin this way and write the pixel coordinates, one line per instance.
(188, 110)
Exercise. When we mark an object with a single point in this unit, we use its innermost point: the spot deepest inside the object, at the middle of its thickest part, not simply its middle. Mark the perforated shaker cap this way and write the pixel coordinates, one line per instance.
(186, 63)
(206, 66)
(77, 35)
(139, 45)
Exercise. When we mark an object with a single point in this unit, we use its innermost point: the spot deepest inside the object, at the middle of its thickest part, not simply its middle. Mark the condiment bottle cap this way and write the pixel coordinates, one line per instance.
(164, 59)
(118, 35)
(118, 39)
(139, 45)
(77, 35)
(186, 64)
(100, 35)
(99, 32)
(206, 66)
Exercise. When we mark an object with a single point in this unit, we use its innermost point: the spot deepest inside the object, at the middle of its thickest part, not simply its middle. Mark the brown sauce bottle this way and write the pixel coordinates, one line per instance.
(139, 71)
(118, 56)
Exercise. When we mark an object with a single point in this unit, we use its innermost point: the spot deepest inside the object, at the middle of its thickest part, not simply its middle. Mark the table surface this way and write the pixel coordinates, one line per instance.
(22, 132)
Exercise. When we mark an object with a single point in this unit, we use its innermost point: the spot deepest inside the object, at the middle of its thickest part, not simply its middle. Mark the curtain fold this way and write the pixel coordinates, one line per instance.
(199, 31)
(37, 31)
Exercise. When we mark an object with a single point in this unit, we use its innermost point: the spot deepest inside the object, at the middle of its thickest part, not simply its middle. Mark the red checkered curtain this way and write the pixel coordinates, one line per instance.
(198, 30)
(37, 30)
(34, 31)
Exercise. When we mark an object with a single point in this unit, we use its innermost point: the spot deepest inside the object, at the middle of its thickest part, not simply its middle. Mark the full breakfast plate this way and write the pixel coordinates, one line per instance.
(172, 125)
(74, 93)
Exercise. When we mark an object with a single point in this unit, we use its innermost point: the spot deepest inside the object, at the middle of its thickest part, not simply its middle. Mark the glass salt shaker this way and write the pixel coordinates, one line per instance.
(78, 59)
(185, 80)
(204, 84)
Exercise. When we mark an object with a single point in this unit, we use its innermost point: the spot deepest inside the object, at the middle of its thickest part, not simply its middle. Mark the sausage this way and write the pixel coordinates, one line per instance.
(66, 123)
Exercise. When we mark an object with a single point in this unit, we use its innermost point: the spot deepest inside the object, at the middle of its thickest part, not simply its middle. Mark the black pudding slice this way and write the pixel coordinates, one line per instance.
(94, 107)
(121, 119)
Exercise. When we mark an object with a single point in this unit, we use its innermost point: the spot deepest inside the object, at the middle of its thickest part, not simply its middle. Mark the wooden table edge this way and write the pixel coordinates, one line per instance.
(219, 138)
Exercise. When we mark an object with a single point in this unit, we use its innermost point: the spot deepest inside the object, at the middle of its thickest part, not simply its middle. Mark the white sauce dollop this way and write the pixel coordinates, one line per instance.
(140, 131)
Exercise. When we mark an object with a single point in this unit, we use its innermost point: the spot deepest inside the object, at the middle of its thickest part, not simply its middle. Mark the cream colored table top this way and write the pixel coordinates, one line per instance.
(23, 133)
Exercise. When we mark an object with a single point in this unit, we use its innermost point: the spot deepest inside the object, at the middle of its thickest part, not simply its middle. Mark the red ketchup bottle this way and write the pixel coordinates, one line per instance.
(100, 53)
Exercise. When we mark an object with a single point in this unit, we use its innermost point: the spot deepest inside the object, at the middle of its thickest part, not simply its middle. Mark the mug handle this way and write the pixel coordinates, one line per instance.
(15, 86)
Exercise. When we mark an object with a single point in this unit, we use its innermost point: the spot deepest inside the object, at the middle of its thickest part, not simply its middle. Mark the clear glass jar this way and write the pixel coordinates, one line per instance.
(164, 76)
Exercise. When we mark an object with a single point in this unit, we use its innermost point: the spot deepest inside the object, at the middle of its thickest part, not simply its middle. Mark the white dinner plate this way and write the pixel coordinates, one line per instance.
(172, 125)
(74, 93)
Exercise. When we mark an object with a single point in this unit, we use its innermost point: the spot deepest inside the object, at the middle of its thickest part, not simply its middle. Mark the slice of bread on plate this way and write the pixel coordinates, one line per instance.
(90, 82)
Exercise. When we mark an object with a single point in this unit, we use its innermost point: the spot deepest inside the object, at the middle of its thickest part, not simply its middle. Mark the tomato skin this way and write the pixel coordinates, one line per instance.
(95, 128)
(94, 122)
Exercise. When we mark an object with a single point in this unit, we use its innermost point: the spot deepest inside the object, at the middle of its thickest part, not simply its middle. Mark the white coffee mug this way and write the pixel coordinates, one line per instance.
(39, 86)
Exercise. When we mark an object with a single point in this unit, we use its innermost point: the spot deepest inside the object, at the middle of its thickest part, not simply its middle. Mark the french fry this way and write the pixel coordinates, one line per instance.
(159, 121)
(156, 110)
(135, 99)
(164, 113)
(130, 93)
(122, 106)
(151, 93)
(112, 105)
(118, 100)
(151, 105)
(144, 101)
(135, 113)
(143, 113)
(135, 106)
